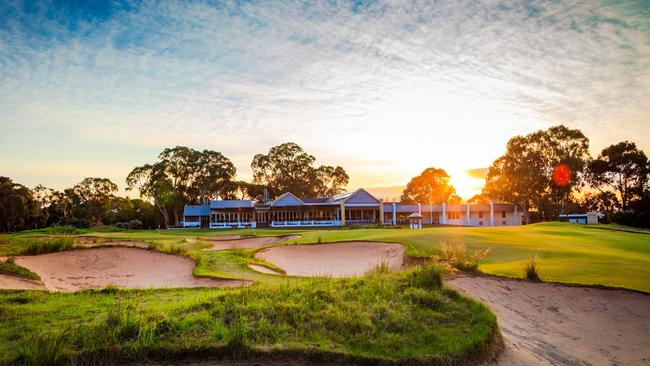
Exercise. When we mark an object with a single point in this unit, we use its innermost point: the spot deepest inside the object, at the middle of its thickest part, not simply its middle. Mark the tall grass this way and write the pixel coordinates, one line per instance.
(456, 253)
(406, 317)
(49, 245)
(531, 269)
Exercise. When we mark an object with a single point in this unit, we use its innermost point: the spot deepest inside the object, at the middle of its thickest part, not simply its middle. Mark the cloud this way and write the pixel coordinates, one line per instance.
(408, 84)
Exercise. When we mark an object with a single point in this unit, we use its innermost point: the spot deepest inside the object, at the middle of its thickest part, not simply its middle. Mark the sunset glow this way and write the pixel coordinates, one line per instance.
(384, 89)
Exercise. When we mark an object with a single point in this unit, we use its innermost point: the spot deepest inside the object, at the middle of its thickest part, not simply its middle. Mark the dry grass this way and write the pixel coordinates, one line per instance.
(456, 253)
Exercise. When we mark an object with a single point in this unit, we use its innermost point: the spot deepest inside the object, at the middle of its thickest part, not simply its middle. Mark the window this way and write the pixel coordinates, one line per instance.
(480, 215)
(453, 215)
(503, 214)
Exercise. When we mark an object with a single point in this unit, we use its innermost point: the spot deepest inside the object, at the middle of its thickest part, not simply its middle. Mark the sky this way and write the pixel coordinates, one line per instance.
(382, 88)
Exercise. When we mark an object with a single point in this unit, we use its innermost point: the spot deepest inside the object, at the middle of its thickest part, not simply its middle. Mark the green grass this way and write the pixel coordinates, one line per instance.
(609, 255)
(8, 267)
(406, 317)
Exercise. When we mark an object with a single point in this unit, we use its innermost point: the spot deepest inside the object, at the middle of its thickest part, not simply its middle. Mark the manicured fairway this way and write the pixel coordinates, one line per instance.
(594, 254)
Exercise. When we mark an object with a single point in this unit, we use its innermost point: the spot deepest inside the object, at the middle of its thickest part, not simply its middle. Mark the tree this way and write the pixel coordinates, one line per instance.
(151, 182)
(183, 176)
(288, 168)
(539, 170)
(95, 195)
(621, 167)
(431, 186)
(18, 209)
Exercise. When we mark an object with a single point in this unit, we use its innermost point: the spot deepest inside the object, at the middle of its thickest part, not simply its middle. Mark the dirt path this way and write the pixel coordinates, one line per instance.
(252, 242)
(123, 267)
(551, 324)
(334, 259)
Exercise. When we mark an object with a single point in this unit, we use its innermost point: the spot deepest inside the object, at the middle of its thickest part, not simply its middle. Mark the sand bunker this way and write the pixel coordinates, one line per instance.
(18, 283)
(123, 267)
(552, 324)
(334, 260)
(251, 242)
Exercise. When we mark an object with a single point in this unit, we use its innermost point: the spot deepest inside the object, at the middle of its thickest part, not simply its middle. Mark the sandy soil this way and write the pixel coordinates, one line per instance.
(17, 283)
(123, 267)
(258, 268)
(334, 260)
(552, 324)
(252, 242)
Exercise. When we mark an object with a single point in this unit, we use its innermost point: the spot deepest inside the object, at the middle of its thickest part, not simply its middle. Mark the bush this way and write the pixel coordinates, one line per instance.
(531, 269)
(78, 223)
(130, 225)
(459, 257)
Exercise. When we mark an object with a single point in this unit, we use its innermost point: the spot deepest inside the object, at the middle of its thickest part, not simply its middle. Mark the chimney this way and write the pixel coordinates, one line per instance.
(266, 195)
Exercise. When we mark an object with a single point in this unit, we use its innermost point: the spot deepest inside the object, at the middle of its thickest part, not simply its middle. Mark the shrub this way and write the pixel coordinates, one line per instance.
(130, 225)
(77, 223)
(531, 269)
(459, 257)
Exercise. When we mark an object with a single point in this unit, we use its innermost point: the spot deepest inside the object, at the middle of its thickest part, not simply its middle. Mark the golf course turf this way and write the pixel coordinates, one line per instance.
(384, 317)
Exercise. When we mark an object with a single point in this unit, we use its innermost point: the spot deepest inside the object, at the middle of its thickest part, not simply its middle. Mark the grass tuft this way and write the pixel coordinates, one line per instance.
(10, 268)
(49, 245)
(456, 253)
(531, 269)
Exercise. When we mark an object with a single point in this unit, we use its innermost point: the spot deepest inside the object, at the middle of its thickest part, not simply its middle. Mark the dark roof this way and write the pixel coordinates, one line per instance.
(196, 210)
(315, 200)
(232, 204)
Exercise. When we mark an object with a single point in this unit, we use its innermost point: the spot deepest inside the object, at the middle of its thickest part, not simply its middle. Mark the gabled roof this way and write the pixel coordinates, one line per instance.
(360, 194)
(232, 204)
(196, 210)
(286, 199)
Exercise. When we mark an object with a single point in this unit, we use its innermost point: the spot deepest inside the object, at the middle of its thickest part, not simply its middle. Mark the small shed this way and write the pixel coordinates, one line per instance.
(415, 221)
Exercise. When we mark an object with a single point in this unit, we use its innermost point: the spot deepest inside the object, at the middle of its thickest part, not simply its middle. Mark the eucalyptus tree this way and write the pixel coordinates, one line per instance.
(288, 168)
(431, 186)
(540, 170)
(623, 168)
(18, 208)
(183, 176)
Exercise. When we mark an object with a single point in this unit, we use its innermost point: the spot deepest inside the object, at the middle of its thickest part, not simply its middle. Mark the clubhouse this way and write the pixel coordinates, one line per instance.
(350, 208)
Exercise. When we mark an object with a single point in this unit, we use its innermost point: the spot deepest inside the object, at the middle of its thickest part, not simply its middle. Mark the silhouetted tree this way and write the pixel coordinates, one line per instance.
(431, 187)
(623, 168)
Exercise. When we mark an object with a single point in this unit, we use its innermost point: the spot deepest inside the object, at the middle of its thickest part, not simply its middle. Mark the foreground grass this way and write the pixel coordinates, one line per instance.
(402, 317)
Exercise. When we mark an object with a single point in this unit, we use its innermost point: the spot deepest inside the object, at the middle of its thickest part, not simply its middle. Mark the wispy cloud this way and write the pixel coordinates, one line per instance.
(407, 84)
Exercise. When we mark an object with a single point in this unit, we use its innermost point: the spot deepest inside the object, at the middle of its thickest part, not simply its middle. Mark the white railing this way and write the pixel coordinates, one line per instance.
(191, 223)
(233, 225)
(305, 223)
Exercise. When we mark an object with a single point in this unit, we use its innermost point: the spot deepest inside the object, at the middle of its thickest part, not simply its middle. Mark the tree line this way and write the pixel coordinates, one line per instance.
(180, 176)
(544, 173)
(550, 172)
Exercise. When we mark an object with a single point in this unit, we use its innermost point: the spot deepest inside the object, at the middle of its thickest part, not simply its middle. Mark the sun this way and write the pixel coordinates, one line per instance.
(466, 185)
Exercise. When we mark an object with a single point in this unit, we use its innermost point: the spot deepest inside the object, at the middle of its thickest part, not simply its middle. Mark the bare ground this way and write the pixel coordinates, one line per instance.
(346, 259)
(554, 324)
(123, 267)
(18, 283)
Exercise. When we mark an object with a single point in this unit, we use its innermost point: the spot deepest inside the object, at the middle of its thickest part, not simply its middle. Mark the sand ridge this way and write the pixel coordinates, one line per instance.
(554, 324)
(341, 259)
(97, 268)
(249, 242)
